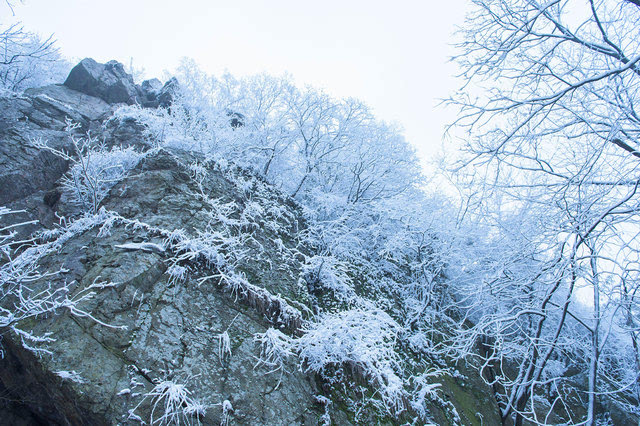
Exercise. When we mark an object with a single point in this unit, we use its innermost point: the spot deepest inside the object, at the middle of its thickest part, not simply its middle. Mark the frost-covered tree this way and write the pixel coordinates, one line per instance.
(26, 59)
(303, 140)
(550, 104)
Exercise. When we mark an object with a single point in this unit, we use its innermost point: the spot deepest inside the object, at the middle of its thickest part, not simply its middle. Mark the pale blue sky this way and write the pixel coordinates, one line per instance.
(392, 55)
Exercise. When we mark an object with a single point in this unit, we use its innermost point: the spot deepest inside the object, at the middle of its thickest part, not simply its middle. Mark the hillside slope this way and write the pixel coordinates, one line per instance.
(182, 293)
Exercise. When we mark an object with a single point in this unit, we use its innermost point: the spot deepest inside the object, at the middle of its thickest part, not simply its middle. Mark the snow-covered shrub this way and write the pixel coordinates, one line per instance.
(361, 339)
(157, 125)
(207, 246)
(177, 273)
(172, 404)
(96, 172)
(326, 403)
(227, 411)
(424, 388)
(275, 348)
(94, 169)
(327, 272)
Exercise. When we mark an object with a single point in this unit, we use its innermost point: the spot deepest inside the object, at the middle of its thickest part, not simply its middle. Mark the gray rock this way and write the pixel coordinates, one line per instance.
(150, 90)
(23, 168)
(168, 92)
(126, 132)
(64, 102)
(106, 81)
(151, 87)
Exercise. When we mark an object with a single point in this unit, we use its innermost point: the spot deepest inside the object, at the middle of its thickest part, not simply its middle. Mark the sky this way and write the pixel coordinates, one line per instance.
(392, 55)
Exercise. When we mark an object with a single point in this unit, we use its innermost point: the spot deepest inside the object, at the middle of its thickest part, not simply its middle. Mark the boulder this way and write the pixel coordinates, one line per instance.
(107, 81)
(150, 90)
(151, 87)
(168, 92)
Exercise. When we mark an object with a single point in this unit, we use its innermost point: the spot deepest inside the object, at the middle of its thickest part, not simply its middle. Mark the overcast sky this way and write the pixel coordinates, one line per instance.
(392, 55)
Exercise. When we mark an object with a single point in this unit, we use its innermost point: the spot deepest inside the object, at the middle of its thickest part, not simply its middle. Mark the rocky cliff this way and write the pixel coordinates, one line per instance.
(177, 287)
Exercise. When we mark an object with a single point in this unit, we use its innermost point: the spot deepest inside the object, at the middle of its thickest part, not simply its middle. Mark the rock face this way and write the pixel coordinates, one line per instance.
(151, 87)
(171, 327)
(152, 325)
(28, 175)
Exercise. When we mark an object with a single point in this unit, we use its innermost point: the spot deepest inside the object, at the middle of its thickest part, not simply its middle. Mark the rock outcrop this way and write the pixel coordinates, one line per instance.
(113, 85)
(172, 328)
(108, 82)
